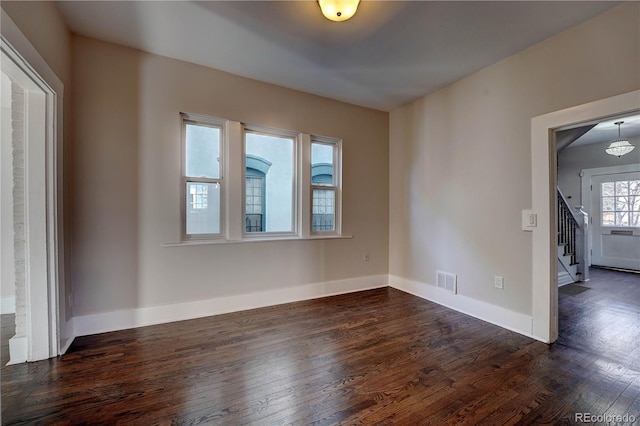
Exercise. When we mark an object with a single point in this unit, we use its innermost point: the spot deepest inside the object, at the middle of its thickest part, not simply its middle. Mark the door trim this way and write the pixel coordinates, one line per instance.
(543, 190)
(43, 203)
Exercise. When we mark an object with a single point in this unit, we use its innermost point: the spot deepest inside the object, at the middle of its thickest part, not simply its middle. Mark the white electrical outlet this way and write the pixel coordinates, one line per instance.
(498, 282)
(365, 256)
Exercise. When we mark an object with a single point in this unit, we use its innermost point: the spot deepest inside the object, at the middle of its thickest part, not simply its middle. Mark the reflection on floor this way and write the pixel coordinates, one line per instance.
(604, 320)
(373, 357)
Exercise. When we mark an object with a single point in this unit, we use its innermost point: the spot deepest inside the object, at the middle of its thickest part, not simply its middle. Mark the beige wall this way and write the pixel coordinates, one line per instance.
(44, 27)
(460, 159)
(125, 183)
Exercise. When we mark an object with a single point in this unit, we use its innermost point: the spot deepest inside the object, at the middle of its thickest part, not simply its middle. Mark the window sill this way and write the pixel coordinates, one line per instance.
(255, 240)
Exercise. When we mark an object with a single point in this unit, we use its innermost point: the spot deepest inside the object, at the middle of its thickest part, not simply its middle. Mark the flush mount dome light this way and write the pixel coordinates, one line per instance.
(338, 10)
(620, 146)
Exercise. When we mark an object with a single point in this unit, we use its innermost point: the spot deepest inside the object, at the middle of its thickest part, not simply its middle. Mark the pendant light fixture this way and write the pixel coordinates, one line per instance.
(338, 10)
(620, 146)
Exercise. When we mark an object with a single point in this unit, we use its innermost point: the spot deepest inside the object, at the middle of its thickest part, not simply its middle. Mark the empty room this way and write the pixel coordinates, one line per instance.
(320, 212)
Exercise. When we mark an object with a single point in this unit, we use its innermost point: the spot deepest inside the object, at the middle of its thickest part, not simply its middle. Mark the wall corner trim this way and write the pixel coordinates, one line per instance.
(493, 314)
(124, 319)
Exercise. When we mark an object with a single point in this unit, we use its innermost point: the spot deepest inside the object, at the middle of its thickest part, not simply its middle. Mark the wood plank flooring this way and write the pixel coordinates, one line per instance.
(375, 357)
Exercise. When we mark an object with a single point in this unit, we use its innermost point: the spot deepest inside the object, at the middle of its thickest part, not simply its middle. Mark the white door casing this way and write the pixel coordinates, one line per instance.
(543, 189)
(43, 213)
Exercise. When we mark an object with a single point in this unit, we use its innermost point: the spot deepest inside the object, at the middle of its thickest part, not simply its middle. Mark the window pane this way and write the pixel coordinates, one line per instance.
(634, 187)
(622, 188)
(608, 219)
(276, 193)
(202, 151)
(608, 189)
(634, 201)
(323, 210)
(621, 204)
(635, 220)
(608, 204)
(322, 164)
(254, 204)
(203, 208)
(622, 219)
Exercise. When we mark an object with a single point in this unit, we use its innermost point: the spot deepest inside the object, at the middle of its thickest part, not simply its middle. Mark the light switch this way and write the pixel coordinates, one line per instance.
(529, 220)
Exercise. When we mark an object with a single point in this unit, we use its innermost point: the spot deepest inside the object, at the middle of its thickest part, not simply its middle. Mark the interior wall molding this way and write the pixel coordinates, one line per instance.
(140, 317)
(493, 314)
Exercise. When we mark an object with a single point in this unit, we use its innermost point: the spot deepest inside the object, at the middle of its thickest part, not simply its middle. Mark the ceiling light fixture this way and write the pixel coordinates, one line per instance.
(338, 10)
(620, 146)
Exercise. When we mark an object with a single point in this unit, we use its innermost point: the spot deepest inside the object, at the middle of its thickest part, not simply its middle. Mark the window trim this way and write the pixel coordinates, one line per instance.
(336, 185)
(615, 210)
(199, 120)
(232, 181)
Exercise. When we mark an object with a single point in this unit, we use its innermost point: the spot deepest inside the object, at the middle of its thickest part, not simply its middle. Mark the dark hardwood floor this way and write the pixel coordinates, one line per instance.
(374, 357)
(604, 320)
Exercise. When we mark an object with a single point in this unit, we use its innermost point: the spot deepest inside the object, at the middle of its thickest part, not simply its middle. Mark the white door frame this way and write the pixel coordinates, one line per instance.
(544, 181)
(43, 208)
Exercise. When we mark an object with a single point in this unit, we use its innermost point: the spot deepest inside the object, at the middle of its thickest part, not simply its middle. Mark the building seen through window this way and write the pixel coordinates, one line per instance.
(269, 183)
(323, 187)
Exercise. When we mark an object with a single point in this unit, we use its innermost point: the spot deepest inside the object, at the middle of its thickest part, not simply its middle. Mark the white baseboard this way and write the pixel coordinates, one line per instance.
(8, 305)
(514, 321)
(18, 350)
(140, 317)
(124, 319)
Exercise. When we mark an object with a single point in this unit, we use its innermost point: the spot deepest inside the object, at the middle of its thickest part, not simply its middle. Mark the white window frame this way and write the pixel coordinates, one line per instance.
(220, 124)
(295, 211)
(233, 177)
(336, 187)
(615, 210)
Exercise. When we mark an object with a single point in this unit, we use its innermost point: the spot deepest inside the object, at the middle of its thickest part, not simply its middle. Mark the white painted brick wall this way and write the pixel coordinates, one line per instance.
(17, 127)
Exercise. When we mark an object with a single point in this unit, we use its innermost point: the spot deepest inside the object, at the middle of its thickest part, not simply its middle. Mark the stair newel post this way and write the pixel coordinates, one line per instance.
(582, 241)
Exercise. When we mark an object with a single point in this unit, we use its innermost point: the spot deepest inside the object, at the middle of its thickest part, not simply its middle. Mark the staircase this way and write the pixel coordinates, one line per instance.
(572, 247)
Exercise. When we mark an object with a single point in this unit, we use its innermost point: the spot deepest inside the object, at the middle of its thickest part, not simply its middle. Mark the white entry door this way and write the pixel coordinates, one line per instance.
(615, 210)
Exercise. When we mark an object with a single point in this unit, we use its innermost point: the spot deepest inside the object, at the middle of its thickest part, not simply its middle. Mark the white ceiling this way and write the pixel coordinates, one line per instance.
(606, 131)
(388, 54)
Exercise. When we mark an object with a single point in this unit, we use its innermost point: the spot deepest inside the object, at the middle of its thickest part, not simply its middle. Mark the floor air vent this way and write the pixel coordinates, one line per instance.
(447, 281)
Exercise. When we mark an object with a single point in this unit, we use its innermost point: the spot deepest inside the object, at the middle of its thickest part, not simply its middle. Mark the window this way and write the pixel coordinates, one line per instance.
(202, 176)
(324, 184)
(198, 193)
(248, 182)
(620, 203)
(269, 182)
(255, 172)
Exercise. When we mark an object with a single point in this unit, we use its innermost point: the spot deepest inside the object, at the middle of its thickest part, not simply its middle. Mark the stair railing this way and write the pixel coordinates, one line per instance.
(572, 235)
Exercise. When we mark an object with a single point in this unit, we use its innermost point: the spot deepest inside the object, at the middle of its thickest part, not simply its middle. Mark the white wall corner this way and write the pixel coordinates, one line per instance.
(18, 350)
(8, 305)
(493, 314)
(124, 319)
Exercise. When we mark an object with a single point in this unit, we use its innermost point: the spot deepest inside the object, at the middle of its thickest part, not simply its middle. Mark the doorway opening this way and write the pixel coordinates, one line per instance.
(32, 207)
(544, 200)
(598, 220)
(601, 308)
